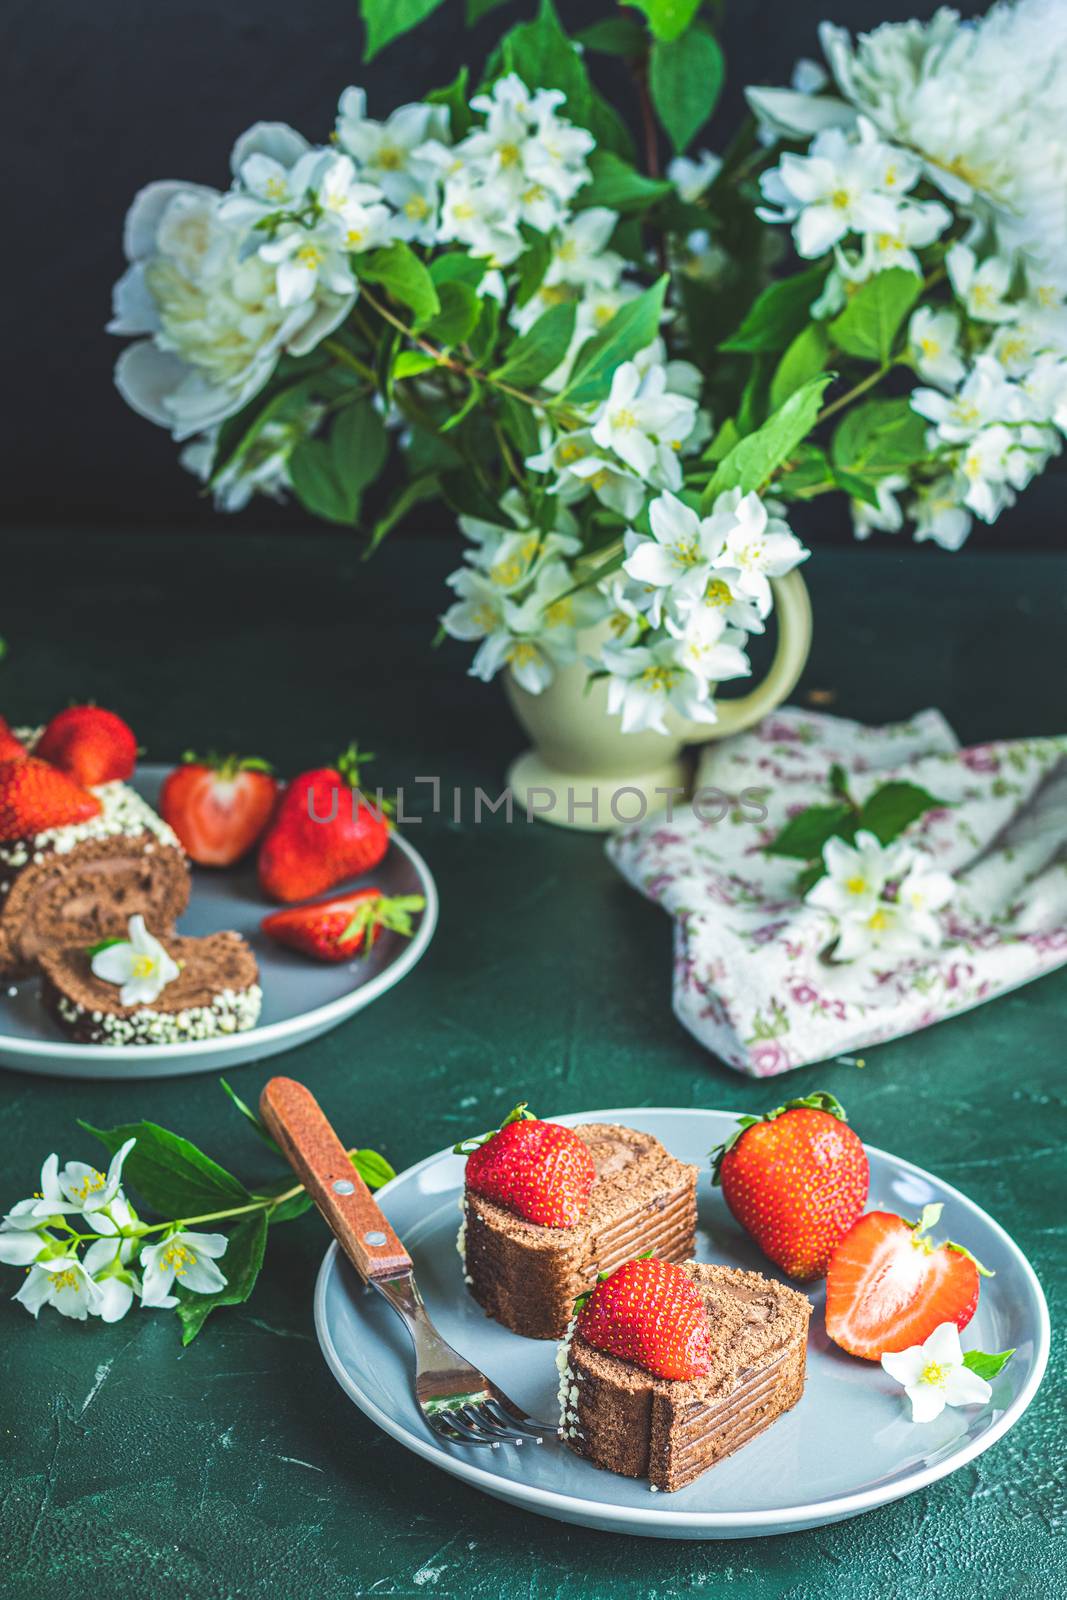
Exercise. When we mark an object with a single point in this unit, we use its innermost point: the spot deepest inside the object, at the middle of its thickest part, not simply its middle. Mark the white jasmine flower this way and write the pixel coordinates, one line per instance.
(933, 341)
(916, 224)
(63, 1282)
(678, 557)
(755, 546)
(707, 646)
(980, 288)
(857, 873)
(388, 152)
(267, 185)
(188, 1257)
(581, 255)
(107, 1261)
(939, 515)
(717, 597)
(887, 516)
(645, 682)
(638, 414)
(1044, 392)
(554, 613)
(694, 177)
(79, 1190)
(139, 964)
(529, 664)
(923, 892)
(479, 610)
(307, 259)
(934, 1375)
(836, 189)
(986, 397)
(482, 216)
(627, 604)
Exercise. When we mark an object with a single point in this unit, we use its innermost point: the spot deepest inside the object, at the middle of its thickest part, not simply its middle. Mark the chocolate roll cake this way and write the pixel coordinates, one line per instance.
(629, 1421)
(76, 885)
(216, 993)
(528, 1277)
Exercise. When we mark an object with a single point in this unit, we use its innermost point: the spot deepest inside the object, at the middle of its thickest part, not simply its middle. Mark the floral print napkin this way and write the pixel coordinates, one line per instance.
(751, 980)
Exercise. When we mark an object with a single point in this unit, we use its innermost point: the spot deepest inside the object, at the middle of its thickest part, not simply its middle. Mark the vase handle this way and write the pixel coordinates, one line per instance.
(792, 608)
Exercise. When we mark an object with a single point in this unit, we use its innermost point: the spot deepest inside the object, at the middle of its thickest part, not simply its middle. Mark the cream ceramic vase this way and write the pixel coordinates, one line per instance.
(584, 772)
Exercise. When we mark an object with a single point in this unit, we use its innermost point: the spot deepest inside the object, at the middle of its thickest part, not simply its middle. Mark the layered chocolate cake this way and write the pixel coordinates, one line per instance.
(72, 886)
(626, 1420)
(528, 1276)
(216, 993)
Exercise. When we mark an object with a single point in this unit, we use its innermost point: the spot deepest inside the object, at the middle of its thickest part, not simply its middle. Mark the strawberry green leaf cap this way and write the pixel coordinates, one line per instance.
(519, 1113)
(818, 1100)
(929, 1218)
(226, 766)
(386, 911)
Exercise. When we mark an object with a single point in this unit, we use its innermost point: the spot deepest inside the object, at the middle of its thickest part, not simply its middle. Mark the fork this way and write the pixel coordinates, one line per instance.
(458, 1402)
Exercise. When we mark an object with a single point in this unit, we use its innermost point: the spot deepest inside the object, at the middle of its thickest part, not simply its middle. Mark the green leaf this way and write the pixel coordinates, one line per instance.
(372, 1168)
(618, 185)
(240, 1264)
(805, 834)
(247, 1112)
(521, 425)
(540, 350)
(477, 9)
(458, 316)
(402, 275)
(685, 78)
(409, 363)
(752, 462)
(879, 437)
(542, 55)
(667, 19)
(986, 1365)
(464, 409)
(803, 359)
(869, 324)
(631, 329)
(778, 313)
(857, 488)
(425, 487)
(723, 442)
(895, 806)
(482, 341)
(532, 264)
(329, 476)
(455, 96)
(456, 265)
(808, 468)
(386, 20)
(614, 36)
(169, 1173)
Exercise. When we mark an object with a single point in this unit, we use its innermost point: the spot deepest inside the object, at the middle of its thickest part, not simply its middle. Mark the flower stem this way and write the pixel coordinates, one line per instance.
(851, 394)
(258, 1203)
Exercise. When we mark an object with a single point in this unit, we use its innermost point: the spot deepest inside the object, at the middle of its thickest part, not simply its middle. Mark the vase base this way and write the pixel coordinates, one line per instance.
(592, 804)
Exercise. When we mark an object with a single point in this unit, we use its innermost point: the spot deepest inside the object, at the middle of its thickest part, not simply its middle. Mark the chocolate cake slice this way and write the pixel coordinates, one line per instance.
(76, 885)
(626, 1420)
(216, 993)
(528, 1277)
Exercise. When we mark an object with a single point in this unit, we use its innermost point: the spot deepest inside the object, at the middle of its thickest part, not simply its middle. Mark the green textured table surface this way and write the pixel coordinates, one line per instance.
(235, 1468)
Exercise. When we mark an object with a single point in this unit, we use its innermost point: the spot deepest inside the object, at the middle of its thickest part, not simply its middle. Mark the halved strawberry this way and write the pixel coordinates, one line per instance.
(218, 805)
(337, 929)
(541, 1171)
(649, 1312)
(889, 1286)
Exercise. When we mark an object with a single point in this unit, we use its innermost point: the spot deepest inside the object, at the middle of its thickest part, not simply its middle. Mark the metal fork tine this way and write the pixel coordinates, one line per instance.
(514, 1421)
(450, 1428)
(487, 1420)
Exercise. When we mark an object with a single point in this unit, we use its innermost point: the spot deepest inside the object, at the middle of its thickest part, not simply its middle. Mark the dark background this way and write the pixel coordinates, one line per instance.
(104, 97)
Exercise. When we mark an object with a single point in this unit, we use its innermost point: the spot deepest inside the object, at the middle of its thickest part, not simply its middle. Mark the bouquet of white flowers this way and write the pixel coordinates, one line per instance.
(593, 364)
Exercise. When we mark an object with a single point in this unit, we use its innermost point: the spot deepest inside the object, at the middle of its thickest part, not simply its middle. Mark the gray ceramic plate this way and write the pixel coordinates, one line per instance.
(301, 998)
(847, 1447)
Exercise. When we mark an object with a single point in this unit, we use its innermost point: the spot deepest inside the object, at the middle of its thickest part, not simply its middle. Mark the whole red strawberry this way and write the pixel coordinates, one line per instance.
(90, 745)
(35, 796)
(541, 1171)
(11, 749)
(889, 1286)
(323, 832)
(796, 1179)
(649, 1312)
(218, 806)
(344, 926)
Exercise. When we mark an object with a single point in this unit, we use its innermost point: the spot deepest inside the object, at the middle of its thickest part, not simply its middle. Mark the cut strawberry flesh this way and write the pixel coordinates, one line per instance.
(887, 1288)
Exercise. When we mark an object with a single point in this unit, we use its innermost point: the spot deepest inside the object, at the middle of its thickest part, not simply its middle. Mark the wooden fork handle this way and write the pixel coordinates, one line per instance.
(317, 1156)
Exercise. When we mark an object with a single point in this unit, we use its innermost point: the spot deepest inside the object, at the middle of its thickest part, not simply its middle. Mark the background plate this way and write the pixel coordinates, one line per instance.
(847, 1447)
(301, 998)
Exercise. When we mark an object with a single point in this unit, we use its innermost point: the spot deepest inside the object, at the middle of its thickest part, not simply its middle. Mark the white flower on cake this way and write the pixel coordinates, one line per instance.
(189, 1258)
(139, 964)
(934, 1375)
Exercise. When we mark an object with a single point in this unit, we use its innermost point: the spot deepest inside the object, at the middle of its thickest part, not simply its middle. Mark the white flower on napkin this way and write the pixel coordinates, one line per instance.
(882, 897)
(140, 964)
(934, 1375)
